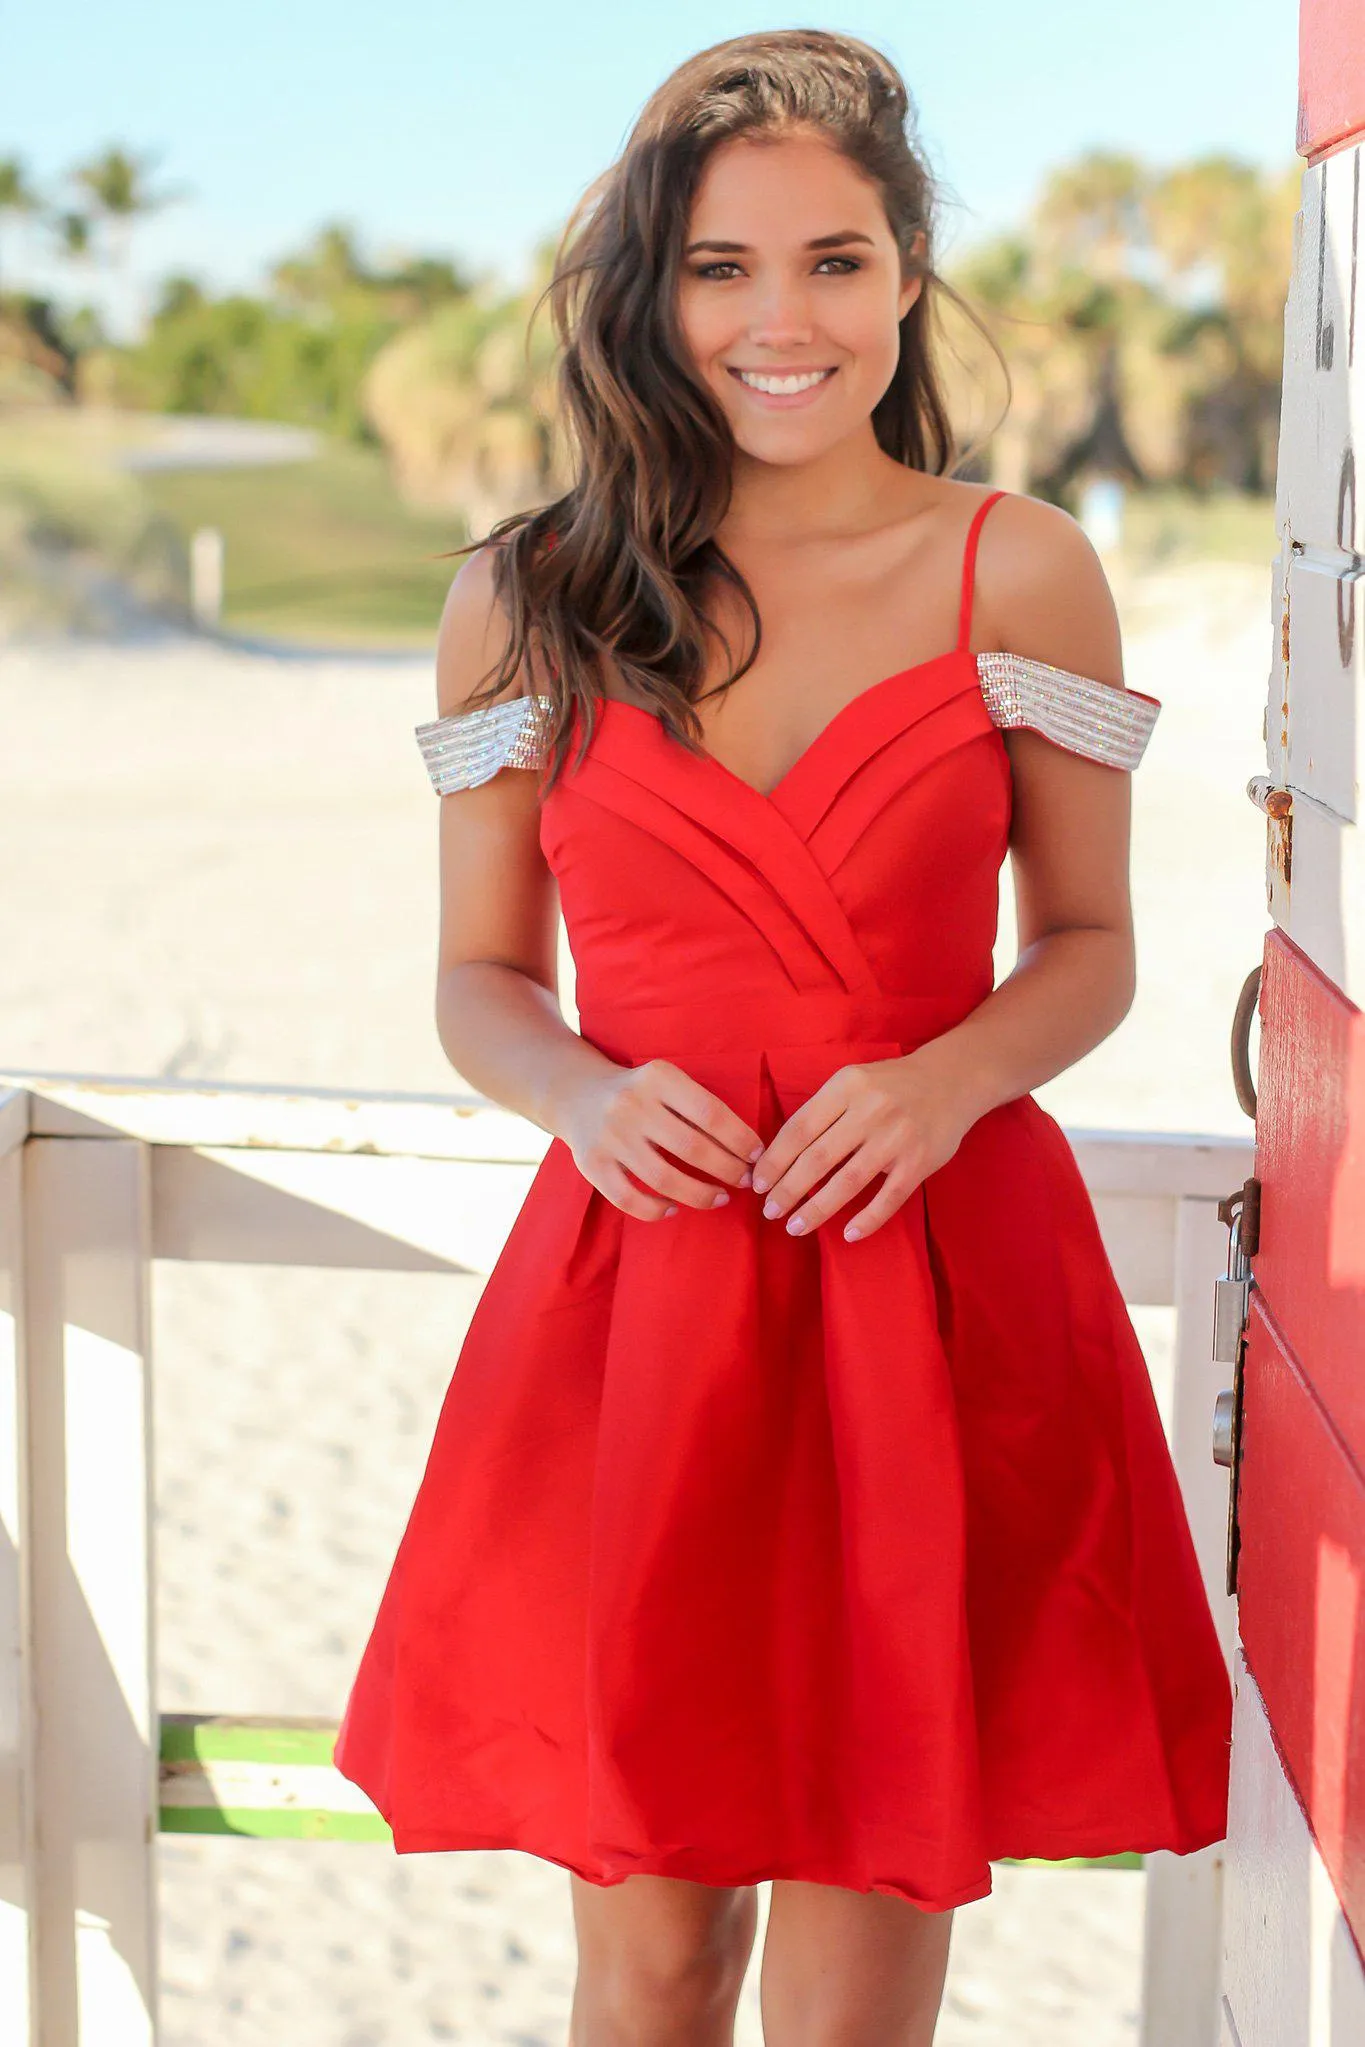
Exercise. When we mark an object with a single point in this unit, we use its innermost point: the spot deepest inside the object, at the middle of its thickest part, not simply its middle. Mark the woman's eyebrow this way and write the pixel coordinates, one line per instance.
(743, 248)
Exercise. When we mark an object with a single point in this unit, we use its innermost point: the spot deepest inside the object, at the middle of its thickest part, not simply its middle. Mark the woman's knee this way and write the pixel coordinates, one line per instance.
(668, 1968)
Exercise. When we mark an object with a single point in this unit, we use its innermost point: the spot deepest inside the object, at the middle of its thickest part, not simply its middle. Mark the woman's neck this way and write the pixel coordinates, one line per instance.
(851, 489)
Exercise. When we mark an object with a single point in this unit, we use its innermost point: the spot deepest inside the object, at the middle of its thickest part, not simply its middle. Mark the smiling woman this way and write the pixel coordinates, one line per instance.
(800, 1508)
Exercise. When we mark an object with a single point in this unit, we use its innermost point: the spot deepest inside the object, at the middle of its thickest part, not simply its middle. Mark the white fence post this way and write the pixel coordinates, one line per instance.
(87, 1528)
(16, 1818)
(1182, 1940)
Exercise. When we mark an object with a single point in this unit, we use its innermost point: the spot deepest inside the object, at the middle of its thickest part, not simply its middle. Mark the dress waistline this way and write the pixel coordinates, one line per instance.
(743, 1025)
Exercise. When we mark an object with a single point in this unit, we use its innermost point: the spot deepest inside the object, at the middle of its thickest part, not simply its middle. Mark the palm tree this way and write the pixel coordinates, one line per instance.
(1224, 231)
(326, 274)
(118, 192)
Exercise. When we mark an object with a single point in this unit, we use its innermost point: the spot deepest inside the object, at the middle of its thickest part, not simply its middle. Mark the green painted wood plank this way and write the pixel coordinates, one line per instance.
(219, 1737)
(274, 1826)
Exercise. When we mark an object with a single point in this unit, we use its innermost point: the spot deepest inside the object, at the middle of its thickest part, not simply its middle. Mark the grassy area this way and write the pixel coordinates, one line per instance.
(323, 551)
(327, 551)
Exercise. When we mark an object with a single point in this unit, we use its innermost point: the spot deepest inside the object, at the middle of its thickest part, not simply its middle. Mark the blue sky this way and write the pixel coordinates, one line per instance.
(471, 129)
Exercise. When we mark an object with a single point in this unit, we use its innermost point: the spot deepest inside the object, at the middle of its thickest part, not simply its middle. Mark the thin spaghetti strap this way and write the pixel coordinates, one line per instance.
(964, 621)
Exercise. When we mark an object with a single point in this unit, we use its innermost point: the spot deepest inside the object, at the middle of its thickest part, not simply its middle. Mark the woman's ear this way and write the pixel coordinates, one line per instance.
(912, 287)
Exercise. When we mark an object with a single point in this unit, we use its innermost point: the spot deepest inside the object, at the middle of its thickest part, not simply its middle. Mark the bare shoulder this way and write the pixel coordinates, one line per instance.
(473, 637)
(1041, 590)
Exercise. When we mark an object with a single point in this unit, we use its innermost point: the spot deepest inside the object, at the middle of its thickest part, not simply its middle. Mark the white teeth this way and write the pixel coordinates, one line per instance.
(783, 387)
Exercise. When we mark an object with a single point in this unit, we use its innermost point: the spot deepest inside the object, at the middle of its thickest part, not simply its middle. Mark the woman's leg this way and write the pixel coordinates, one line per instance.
(848, 1968)
(660, 1962)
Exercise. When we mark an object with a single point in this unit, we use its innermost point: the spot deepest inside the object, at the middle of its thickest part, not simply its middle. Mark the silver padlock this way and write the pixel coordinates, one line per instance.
(1230, 1298)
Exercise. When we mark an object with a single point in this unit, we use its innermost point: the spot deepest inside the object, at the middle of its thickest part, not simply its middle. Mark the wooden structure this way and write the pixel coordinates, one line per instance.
(1295, 1905)
(99, 1181)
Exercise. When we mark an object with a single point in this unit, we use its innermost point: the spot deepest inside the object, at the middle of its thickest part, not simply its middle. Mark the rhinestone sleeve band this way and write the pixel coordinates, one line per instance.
(1096, 719)
(468, 747)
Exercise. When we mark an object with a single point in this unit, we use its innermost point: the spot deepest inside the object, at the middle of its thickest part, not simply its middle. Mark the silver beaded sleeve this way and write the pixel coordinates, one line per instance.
(468, 747)
(1092, 718)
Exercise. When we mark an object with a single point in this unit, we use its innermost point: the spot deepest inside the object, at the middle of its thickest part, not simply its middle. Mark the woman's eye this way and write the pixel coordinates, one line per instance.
(711, 270)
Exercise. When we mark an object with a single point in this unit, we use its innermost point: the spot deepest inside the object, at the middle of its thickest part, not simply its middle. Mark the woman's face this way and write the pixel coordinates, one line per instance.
(790, 295)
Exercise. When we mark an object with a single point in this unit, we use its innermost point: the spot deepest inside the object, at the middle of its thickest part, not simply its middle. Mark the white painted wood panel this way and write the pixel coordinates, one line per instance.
(1315, 706)
(16, 1818)
(1292, 1976)
(1182, 1935)
(87, 1526)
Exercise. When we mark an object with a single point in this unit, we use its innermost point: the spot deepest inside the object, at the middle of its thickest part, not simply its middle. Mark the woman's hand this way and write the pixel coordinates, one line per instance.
(621, 1122)
(900, 1117)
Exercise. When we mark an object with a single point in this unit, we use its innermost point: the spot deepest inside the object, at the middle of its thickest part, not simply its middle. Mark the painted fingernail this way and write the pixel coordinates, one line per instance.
(796, 1225)
(746, 1179)
(756, 1153)
(772, 1208)
(760, 1184)
(672, 1208)
(852, 1232)
(720, 1199)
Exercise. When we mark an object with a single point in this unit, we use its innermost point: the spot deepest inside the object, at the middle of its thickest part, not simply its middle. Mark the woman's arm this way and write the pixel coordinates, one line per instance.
(1041, 592)
(1043, 588)
(497, 1007)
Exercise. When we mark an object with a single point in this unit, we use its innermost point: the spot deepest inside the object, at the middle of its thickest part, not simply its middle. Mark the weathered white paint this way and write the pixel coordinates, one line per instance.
(16, 1844)
(279, 1118)
(1292, 1975)
(1182, 1944)
(14, 1114)
(87, 1532)
(260, 1787)
(1315, 745)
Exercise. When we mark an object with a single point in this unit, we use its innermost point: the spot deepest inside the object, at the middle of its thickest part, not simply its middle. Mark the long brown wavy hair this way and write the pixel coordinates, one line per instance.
(610, 573)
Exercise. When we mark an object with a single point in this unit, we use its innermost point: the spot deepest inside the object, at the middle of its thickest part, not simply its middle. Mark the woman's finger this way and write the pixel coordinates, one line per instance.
(695, 1148)
(809, 1122)
(821, 1156)
(708, 1113)
(620, 1190)
(842, 1186)
(883, 1205)
(669, 1181)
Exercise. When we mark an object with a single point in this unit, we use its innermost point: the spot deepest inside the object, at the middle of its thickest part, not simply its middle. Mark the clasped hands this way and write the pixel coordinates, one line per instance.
(895, 1117)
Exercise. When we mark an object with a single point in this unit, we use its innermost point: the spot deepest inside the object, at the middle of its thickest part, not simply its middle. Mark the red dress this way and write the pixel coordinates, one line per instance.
(740, 1555)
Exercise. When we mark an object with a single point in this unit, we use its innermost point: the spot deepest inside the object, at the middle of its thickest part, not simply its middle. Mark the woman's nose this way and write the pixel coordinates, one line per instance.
(782, 318)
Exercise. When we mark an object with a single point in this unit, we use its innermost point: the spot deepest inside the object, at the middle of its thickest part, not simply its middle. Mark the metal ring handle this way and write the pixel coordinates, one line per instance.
(1242, 1080)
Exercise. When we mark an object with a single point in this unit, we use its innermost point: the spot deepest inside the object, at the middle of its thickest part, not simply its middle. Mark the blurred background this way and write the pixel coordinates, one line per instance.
(265, 278)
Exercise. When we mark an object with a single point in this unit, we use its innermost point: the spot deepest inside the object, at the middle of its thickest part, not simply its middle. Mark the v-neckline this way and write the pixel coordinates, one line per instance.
(772, 795)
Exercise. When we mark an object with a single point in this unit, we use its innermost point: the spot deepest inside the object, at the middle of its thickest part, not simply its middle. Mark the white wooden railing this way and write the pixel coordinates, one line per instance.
(100, 1178)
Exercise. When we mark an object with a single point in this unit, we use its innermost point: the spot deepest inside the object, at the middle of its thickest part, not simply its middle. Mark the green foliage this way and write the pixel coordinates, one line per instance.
(298, 355)
(1141, 317)
(249, 360)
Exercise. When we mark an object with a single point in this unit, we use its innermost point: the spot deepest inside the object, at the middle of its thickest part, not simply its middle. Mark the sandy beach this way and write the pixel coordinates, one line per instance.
(221, 865)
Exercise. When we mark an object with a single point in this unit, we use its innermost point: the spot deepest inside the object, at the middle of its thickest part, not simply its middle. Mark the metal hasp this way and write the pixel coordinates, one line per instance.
(1241, 1212)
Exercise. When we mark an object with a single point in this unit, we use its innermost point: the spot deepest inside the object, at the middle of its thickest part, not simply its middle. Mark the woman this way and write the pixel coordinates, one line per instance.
(800, 1508)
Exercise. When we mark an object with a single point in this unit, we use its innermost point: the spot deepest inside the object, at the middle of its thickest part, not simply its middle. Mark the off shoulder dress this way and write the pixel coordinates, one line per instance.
(741, 1555)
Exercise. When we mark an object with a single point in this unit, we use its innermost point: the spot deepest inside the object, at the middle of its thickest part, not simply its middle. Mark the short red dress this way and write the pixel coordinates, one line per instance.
(741, 1555)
